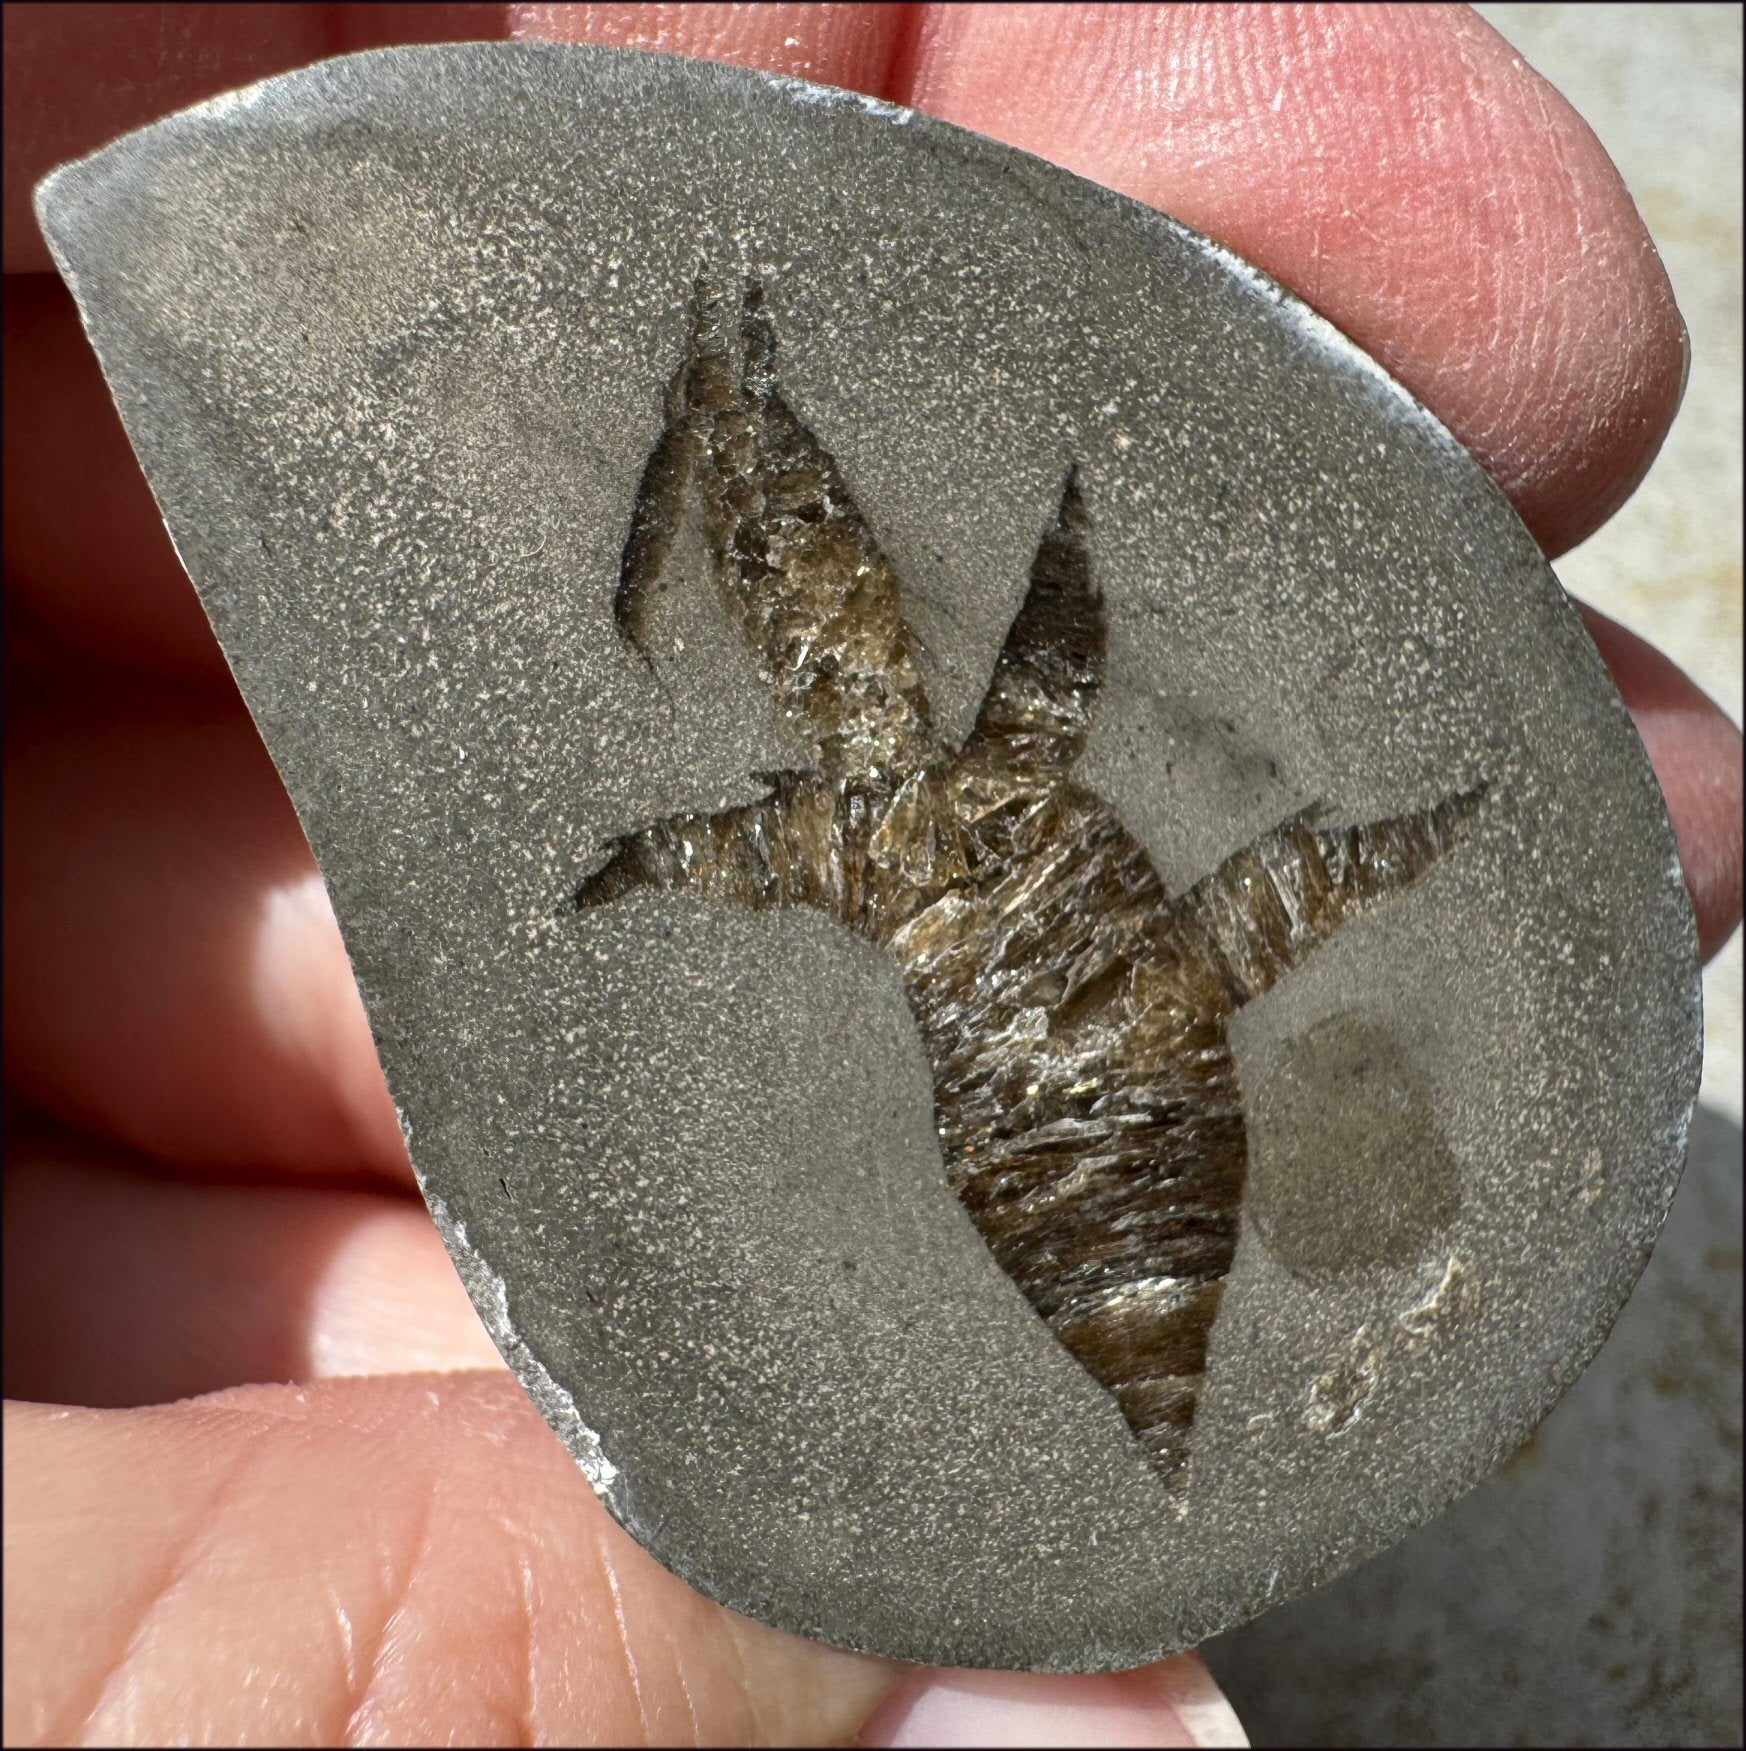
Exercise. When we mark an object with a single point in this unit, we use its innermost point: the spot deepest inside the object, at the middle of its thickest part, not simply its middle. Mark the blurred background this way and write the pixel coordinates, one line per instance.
(1590, 1592)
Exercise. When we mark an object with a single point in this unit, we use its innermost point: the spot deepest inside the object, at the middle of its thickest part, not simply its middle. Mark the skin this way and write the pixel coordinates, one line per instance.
(206, 1191)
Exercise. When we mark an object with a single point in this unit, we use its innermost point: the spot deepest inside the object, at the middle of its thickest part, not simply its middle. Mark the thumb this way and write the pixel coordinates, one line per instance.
(414, 1559)
(408, 1559)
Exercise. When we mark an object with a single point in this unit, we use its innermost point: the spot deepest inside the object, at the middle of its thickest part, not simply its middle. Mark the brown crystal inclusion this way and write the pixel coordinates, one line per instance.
(1074, 1012)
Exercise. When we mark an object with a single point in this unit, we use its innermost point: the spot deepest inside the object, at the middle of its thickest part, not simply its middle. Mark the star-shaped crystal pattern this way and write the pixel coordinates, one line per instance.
(1075, 1013)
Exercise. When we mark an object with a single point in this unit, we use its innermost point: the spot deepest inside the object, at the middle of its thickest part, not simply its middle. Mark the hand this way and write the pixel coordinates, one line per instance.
(207, 1189)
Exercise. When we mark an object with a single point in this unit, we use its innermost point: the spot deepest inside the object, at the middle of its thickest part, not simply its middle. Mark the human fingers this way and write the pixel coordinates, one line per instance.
(173, 1249)
(861, 48)
(87, 554)
(1696, 752)
(410, 1559)
(1404, 171)
(127, 1284)
(1174, 1702)
(175, 980)
(414, 1560)
(1706, 834)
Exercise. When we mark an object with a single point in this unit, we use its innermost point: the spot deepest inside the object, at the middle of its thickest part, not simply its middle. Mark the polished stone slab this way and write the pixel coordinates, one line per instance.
(1030, 966)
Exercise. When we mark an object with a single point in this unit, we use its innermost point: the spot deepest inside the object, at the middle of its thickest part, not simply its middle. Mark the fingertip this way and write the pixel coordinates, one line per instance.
(1173, 1702)
(857, 47)
(1404, 170)
(1699, 750)
(415, 1559)
(1696, 751)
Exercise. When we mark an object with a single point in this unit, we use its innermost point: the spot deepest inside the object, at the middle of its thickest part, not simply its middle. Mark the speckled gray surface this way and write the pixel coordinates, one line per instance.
(390, 336)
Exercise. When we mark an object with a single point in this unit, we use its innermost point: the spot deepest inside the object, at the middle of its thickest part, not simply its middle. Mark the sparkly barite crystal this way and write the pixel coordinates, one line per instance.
(1075, 1013)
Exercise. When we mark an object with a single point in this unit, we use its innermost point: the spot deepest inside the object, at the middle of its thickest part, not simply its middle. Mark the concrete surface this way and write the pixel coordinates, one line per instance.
(1589, 1594)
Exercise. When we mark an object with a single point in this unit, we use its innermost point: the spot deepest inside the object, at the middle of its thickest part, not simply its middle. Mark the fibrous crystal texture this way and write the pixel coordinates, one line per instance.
(1075, 1014)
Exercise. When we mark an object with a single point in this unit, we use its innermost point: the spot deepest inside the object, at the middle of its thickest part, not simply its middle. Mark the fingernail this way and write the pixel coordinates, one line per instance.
(1174, 1702)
